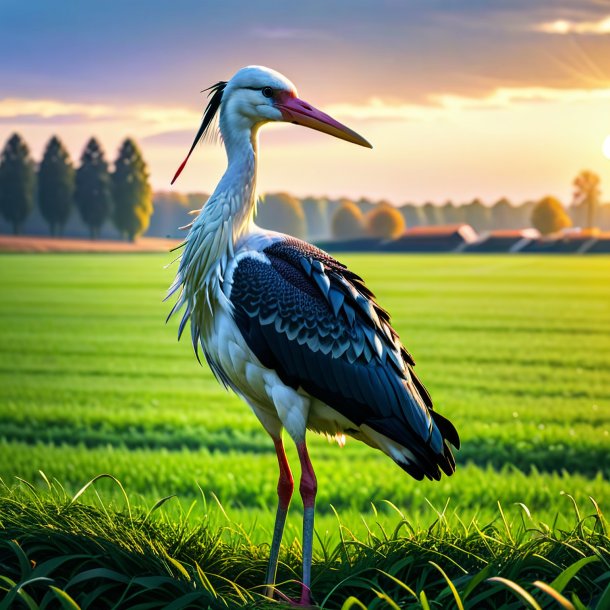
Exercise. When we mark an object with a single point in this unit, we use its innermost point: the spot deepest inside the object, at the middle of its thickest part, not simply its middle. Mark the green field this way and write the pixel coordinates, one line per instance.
(514, 349)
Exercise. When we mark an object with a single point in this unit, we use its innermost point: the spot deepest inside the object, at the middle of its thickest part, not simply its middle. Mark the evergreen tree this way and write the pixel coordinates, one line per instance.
(55, 185)
(92, 194)
(131, 191)
(17, 179)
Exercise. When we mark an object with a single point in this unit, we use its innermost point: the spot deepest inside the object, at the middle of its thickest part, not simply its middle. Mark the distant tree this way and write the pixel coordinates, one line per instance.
(316, 217)
(604, 217)
(432, 214)
(549, 216)
(451, 214)
(348, 221)
(17, 180)
(523, 213)
(366, 205)
(413, 214)
(477, 215)
(282, 212)
(171, 211)
(503, 214)
(384, 221)
(587, 194)
(131, 192)
(197, 200)
(92, 194)
(55, 185)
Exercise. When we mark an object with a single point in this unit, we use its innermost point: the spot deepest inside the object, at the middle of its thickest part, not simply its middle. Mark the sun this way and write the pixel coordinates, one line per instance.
(606, 147)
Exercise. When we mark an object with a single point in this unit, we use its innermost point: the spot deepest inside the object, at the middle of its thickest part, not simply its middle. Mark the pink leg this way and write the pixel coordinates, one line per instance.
(308, 488)
(285, 486)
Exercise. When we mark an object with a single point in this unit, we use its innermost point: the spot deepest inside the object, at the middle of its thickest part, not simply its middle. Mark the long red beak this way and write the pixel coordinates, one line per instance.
(295, 110)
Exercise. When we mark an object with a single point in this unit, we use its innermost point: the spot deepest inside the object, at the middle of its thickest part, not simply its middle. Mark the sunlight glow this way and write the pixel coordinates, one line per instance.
(606, 147)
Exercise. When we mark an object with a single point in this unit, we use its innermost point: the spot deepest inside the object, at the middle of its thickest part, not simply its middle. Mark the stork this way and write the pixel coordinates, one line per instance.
(290, 329)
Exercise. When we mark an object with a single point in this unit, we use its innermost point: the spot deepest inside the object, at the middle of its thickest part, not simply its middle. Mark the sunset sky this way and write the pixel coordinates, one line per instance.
(459, 99)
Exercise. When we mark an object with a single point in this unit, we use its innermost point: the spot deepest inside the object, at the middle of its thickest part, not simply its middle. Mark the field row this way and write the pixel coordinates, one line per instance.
(579, 449)
(347, 479)
(515, 350)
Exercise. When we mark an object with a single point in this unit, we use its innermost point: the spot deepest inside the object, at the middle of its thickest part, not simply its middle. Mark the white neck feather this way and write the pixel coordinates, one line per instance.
(224, 218)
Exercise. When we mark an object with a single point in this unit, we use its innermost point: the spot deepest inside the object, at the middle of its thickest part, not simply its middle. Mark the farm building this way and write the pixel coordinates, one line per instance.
(441, 238)
(503, 241)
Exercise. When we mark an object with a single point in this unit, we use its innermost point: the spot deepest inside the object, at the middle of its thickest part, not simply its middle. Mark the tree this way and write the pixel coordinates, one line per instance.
(316, 217)
(347, 221)
(131, 192)
(282, 212)
(413, 214)
(477, 215)
(549, 216)
(17, 179)
(92, 194)
(587, 194)
(503, 214)
(432, 214)
(55, 185)
(452, 214)
(384, 221)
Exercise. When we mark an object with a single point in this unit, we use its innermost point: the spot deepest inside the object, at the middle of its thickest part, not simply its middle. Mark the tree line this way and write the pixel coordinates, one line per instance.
(122, 194)
(322, 218)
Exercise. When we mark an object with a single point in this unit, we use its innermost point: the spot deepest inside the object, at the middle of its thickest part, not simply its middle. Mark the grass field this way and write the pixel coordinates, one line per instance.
(514, 349)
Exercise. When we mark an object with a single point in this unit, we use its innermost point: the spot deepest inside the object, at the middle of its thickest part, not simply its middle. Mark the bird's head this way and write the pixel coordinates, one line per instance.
(257, 95)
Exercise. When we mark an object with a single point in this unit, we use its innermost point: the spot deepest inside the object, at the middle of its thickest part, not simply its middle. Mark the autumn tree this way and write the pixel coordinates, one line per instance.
(92, 194)
(587, 194)
(549, 216)
(384, 221)
(56, 185)
(347, 222)
(131, 192)
(281, 212)
(17, 179)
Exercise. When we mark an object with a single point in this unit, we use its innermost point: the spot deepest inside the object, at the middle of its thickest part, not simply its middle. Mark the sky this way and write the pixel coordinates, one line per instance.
(460, 99)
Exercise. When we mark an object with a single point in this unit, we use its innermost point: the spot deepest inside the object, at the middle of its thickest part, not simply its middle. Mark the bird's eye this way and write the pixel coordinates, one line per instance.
(267, 91)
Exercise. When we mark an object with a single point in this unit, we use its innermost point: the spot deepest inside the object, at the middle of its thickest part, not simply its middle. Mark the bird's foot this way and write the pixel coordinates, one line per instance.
(304, 602)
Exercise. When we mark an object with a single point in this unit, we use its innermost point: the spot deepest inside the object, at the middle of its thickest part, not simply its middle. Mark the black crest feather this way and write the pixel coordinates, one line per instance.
(211, 110)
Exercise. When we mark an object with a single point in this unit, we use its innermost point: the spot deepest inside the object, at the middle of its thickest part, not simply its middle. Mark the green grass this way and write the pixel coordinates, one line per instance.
(56, 552)
(514, 349)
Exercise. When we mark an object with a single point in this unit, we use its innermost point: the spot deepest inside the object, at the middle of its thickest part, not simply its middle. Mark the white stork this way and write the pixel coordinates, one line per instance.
(290, 329)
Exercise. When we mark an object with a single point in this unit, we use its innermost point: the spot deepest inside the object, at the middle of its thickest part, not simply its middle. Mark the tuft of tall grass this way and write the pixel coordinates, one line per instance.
(57, 552)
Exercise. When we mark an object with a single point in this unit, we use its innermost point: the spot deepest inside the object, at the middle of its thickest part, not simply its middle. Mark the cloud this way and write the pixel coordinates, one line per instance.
(378, 110)
(171, 126)
(47, 111)
(285, 33)
(567, 26)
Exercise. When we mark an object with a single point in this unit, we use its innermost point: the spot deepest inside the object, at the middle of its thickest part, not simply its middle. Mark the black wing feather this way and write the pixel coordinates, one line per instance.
(314, 322)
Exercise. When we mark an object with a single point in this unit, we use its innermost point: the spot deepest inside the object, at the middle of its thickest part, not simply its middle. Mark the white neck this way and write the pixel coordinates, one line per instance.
(226, 216)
